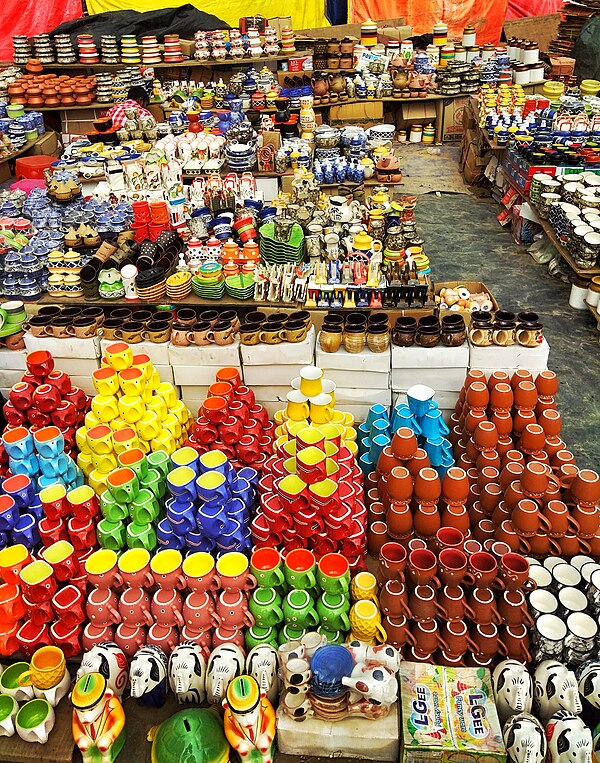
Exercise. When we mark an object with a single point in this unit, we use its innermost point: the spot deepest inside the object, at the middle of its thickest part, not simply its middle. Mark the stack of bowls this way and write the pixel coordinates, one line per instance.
(151, 285)
(276, 252)
(209, 283)
(240, 286)
(241, 157)
(179, 285)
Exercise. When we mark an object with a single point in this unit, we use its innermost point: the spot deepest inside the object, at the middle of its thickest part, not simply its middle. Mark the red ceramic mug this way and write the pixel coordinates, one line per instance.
(68, 605)
(421, 568)
(392, 561)
(452, 566)
(67, 637)
(134, 607)
(514, 573)
(31, 637)
(166, 607)
(130, 638)
(101, 607)
(52, 530)
(61, 557)
(197, 611)
(40, 612)
(482, 570)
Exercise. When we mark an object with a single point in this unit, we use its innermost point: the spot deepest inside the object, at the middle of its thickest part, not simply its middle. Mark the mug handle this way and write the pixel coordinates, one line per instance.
(410, 638)
(250, 581)
(381, 633)
(574, 524)
(115, 615)
(555, 546)
(530, 584)
(502, 648)
(313, 617)
(441, 611)
(518, 337)
(311, 576)
(472, 645)
(527, 618)
(469, 578)
(279, 612)
(148, 617)
(118, 333)
(25, 679)
(210, 335)
(190, 337)
(70, 330)
(545, 522)
(435, 582)
(249, 619)
(498, 584)
(585, 546)
(524, 545)
(345, 621)
(216, 619)
(496, 617)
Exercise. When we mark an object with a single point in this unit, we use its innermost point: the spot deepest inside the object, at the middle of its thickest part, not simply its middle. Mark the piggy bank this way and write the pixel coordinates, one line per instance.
(109, 660)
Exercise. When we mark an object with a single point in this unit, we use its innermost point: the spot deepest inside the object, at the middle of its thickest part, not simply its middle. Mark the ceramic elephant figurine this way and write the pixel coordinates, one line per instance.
(225, 663)
(513, 689)
(555, 688)
(569, 739)
(588, 682)
(110, 661)
(187, 673)
(261, 664)
(148, 676)
(525, 739)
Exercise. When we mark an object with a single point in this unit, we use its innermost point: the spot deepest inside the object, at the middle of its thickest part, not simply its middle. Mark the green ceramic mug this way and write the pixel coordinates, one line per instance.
(333, 609)
(112, 509)
(141, 536)
(154, 482)
(290, 633)
(267, 567)
(333, 574)
(160, 461)
(265, 605)
(145, 508)
(123, 484)
(257, 635)
(111, 534)
(333, 637)
(136, 460)
(299, 569)
(299, 609)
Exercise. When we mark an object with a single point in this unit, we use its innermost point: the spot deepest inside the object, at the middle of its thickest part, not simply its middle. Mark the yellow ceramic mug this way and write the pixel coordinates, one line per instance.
(91, 420)
(143, 362)
(105, 408)
(158, 406)
(84, 462)
(297, 407)
(119, 356)
(321, 410)
(125, 439)
(310, 381)
(364, 586)
(97, 481)
(294, 427)
(365, 622)
(288, 448)
(46, 669)
(82, 441)
(131, 409)
(132, 382)
(309, 437)
(117, 424)
(279, 417)
(105, 381)
(164, 441)
(328, 388)
(172, 425)
(104, 463)
(168, 394)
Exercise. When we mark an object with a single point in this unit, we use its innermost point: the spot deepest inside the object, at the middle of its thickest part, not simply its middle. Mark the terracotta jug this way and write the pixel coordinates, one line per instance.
(320, 85)
(337, 83)
(427, 520)
(399, 519)
(400, 79)
(456, 515)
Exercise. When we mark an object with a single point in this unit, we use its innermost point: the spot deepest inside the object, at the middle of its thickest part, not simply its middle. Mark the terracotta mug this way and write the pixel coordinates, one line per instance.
(452, 566)
(427, 636)
(134, 607)
(422, 603)
(393, 599)
(482, 570)
(482, 603)
(421, 567)
(392, 561)
(512, 608)
(166, 607)
(515, 640)
(514, 573)
(484, 640)
(198, 609)
(231, 611)
(101, 607)
(449, 537)
(398, 633)
(452, 604)
(455, 634)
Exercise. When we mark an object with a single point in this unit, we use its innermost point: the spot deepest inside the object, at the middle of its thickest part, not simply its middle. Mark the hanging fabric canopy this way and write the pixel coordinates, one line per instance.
(33, 17)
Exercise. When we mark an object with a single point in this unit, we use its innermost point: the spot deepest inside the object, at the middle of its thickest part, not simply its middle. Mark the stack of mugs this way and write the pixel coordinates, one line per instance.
(355, 331)
(525, 487)
(295, 673)
(69, 515)
(298, 594)
(443, 604)
(45, 397)
(210, 503)
(103, 87)
(232, 422)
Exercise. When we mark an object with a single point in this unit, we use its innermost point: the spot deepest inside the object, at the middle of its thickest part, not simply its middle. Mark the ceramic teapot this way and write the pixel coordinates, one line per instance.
(341, 210)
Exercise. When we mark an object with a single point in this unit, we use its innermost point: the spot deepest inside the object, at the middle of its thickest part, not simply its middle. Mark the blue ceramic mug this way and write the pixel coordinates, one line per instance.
(211, 519)
(9, 513)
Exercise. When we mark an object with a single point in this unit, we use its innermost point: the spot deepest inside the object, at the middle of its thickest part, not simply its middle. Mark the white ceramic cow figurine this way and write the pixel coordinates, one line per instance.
(513, 689)
(110, 661)
(569, 739)
(555, 688)
(226, 662)
(261, 663)
(187, 673)
(148, 676)
(374, 690)
(383, 654)
(525, 739)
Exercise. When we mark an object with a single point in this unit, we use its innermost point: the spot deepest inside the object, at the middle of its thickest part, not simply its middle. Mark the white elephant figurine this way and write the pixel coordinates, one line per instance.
(110, 661)
(569, 739)
(555, 688)
(588, 682)
(525, 739)
(513, 689)
(261, 664)
(187, 673)
(377, 685)
(148, 676)
(225, 663)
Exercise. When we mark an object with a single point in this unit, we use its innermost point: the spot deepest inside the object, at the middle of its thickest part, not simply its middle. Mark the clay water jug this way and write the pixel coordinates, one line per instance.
(337, 83)
(400, 79)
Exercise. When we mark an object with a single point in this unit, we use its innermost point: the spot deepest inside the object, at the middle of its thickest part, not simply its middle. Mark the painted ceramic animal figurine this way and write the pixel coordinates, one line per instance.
(109, 660)
(569, 739)
(513, 689)
(588, 683)
(249, 721)
(98, 723)
(374, 690)
(261, 663)
(187, 673)
(148, 676)
(382, 654)
(225, 663)
(555, 688)
(525, 739)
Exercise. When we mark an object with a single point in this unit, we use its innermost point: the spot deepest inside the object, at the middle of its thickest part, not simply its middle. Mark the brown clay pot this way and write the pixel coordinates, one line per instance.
(399, 520)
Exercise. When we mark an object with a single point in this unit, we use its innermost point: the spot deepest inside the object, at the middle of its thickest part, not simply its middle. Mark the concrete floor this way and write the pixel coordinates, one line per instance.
(465, 241)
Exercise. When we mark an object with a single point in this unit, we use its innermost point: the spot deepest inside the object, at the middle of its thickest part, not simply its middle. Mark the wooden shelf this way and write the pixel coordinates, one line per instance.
(566, 255)
(189, 62)
(15, 154)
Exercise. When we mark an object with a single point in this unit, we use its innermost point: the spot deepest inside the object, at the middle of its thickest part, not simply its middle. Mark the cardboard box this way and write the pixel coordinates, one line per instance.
(510, 358)
(364, 380)
(344, 30)
(273, 393)
(541, 29)
(287, 352)
(210, 355)
(365, 360)
(438, 357)
(453, 119)
(363, 113)
(359, 396)
(8, 377)
(448, 714)
(85, 383)
(158, 353)
(47, 144)
(13, 360)
(446, 399)
(439, 379)
(197, 374)
(77, 366)
(268, 376)
(417, 113)
(475, 287)
(281, 22)
(387, 33)
(188, 47)
(68, 347)
(562, 65)
(165, 373)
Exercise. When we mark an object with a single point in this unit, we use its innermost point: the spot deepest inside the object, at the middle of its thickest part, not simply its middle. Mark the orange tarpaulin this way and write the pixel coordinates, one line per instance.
(487, 16)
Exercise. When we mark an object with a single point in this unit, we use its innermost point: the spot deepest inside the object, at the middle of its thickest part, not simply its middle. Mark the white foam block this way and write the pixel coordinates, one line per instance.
(79, 367)
(493, 357)
(12, 360)
(366, 380)
(198, 375)
(272, 406)
(534, 358)
(268, 376)
(288, 353)
(67, 347)
(448, 379)
(9, 377)
(444, 399)
(365, 360)
(272, 393)
(85, 383)
(158, 353)
(354, 737)
(362, 396)
(359, 412)
(430, 357)
(209, 355)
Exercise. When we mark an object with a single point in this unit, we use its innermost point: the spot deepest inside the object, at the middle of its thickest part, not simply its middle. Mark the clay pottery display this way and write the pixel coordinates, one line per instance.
(426, 520)
(510, 472)
(525, 396)
(498, 377)
(485, 436)
(586, 518)
(404, 443)
(488, 475)
(534, 479)
(506, 533)
(427, 636)
(427, 487)
(398, 633)
(454, 636)
(512, 608)
(503, 422)
(422, 603)
(399, 484)
(478, 395)
(541, 545)
(585, 487)
(501, 513)
(422, 567)
(546, 383)
(533, 438)
(553, 445)
(551, 423)
(488, 458)
(473, 419)
(483, 640)
(455, 486)
(545, 404)
(571, 545)
(490, 497)
(452, 566)
(521, 374)
(515, 640)
(399, 520)
(393, 599)
(482, 606)
(513, 494)
(456, 515)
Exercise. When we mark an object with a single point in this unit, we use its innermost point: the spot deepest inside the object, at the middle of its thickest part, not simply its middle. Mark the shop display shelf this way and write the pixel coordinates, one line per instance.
(562, 250)
(189, 62)
(23, 150)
